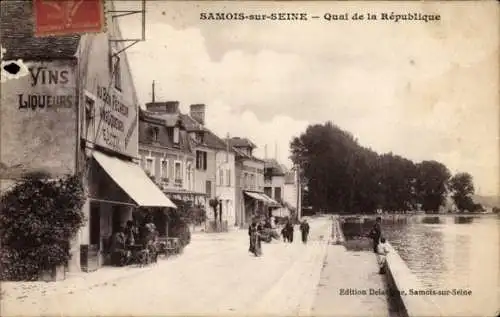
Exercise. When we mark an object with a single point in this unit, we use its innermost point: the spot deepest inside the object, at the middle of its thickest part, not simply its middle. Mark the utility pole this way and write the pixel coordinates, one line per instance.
(299, 192)
(153, 92)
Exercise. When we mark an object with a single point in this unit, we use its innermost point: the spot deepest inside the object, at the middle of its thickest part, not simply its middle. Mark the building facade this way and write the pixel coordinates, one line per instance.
(275, 185)
(252, 201)
(76, 112)
(167, 154)
(215, 170)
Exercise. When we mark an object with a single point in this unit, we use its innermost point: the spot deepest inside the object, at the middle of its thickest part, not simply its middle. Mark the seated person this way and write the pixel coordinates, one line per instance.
(382, 251)
(119, 254)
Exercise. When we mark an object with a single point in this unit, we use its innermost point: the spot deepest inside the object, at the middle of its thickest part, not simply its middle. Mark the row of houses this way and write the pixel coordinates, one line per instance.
(73, 109)
(190, 163)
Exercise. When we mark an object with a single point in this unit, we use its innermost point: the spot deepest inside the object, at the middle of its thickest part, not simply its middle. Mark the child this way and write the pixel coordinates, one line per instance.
(382, 251)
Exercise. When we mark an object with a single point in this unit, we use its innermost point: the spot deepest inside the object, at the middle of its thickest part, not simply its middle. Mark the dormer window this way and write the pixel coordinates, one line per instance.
(200, 137)
(154, 134)
(176, 134)
(178, 126)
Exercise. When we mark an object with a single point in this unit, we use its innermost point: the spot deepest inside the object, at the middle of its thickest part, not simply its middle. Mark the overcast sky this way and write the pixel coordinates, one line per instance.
(421, 90)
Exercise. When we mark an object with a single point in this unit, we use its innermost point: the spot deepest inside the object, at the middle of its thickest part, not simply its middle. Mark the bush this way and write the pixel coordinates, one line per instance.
(39, 217)
(178, 227)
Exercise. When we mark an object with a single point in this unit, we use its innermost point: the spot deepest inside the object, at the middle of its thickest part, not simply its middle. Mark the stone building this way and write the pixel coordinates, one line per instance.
(252, 201)
(76, 111)
(215, 168)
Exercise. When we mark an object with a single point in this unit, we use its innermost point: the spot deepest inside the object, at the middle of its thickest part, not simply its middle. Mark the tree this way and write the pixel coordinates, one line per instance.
(462, 189)
(343, 176)
(432, 178)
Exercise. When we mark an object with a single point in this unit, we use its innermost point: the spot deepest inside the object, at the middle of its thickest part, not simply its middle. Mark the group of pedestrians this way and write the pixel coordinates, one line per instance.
(259, 232)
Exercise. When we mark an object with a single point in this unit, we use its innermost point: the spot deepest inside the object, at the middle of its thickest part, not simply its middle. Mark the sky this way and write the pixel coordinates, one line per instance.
(426, 91)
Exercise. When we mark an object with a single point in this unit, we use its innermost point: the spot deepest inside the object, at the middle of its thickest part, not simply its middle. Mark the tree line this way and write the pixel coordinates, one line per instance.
(342, 176)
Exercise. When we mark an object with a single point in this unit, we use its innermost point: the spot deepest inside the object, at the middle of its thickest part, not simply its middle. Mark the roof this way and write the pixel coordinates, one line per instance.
(210, 139)
(165, 137)
(276, 168)
(241, 142)
(17, 27)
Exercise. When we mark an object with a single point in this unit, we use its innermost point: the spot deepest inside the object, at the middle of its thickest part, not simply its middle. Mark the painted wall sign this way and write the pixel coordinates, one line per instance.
(38, 118)
(56, 17)
(47, 78)
(115, 122)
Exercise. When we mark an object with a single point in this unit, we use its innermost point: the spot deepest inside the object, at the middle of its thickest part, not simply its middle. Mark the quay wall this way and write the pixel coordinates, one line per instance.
(399, 280)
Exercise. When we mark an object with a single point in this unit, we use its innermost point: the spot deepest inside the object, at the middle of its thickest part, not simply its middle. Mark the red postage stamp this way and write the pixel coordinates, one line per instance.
(63, 17)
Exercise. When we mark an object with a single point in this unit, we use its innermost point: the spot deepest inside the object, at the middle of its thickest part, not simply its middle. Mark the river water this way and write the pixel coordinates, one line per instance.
(453, 252)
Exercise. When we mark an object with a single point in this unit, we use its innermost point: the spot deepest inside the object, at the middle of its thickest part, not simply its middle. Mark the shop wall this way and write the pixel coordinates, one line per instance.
(38, 115)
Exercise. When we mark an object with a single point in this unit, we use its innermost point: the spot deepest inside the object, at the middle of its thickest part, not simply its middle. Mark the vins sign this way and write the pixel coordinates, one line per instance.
(52, 80)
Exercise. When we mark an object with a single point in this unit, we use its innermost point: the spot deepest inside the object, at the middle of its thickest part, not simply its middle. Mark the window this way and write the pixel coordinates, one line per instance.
(149, 165)
(176, 135)
(89, 116)
(178, 170)
(245, 180)
(201, 160)
(208, 188)
(228, 177)
(253, 180)
(116, 71)
(154, 133)
(221, 177)
(268, 191)
(188, 176)
(164, 169)
(277, 193)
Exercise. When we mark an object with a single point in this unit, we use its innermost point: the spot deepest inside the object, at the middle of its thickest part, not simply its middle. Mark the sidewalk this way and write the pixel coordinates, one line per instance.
(345, 275)
(105, 275)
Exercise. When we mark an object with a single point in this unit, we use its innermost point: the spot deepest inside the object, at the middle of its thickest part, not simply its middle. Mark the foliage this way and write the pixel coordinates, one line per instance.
(462, 189)
(196, 215)
(39, 217)
(178, 226)
(342, 176)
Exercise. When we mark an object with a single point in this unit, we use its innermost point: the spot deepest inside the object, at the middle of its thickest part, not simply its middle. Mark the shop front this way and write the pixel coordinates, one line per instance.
(118, 189)
(258, 204)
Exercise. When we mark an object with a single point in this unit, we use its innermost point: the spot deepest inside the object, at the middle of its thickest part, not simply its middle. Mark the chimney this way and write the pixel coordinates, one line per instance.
(168, 107)
(197, 112)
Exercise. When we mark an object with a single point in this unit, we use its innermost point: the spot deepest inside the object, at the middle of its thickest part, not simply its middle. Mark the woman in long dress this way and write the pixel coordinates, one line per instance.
(254, 234)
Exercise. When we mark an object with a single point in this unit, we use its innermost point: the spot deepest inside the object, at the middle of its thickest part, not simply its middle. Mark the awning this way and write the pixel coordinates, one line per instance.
(256, 196)
(271, 201)
(264, 198)
(134, 181)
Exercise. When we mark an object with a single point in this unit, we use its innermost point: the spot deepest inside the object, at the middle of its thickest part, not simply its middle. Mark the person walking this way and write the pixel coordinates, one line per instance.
(252, 230)
(289, 231)
(376, 233)
(304, 229)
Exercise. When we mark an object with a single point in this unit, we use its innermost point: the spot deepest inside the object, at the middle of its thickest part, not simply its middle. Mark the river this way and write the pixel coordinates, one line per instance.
(450, 251)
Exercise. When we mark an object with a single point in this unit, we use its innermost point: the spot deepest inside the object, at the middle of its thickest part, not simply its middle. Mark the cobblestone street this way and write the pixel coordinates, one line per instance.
(215, 276)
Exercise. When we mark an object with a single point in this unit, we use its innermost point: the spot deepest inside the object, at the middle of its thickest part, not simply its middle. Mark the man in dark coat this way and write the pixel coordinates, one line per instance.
(376, 233)
(252, 230)
(289, 231)
(304, 229)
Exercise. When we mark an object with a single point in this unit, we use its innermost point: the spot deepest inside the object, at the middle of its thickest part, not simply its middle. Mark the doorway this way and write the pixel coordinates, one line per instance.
(95, 224)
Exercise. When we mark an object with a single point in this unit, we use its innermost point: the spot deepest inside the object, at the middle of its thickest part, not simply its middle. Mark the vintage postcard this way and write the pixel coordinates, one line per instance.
(249, 158)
